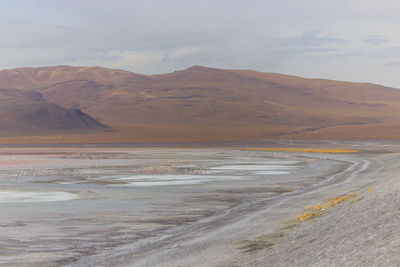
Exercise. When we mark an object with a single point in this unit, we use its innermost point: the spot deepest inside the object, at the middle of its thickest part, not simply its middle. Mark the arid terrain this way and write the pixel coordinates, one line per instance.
(66, 104)
(304, 204)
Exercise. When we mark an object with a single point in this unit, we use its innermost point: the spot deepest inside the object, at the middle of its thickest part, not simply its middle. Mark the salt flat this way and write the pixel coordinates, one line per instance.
(60, 206)
(191, 207)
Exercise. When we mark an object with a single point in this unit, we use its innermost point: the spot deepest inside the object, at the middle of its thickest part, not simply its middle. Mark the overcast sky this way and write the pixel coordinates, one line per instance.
(355, 40)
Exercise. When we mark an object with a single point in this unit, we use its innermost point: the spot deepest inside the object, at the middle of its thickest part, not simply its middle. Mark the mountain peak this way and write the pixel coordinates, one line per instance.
(200, 68)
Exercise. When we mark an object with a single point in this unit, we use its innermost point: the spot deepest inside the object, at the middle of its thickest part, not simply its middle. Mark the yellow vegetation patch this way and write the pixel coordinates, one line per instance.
(313, 150)
(328, 204)
(331, 202)
(307, 215)
(324, 206)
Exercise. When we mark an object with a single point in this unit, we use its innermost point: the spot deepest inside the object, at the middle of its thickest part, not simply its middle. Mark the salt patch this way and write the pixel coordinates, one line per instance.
(163, 180)
(254, 167)
(180, 177)
(24, 196)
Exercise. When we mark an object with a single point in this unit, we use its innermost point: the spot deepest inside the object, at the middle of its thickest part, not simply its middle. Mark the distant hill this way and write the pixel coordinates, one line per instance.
(28, 113)
(196, 104)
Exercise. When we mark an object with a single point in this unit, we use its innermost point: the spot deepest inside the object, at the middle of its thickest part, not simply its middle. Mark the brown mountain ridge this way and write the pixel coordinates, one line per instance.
(196, 104)
(26, 112)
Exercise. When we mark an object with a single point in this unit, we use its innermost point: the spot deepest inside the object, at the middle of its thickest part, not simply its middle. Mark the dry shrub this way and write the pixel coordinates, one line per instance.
(307, 215)
(328, 204)
(332, 202)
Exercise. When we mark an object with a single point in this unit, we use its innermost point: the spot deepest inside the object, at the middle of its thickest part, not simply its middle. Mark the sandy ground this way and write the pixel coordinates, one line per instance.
(359, 233)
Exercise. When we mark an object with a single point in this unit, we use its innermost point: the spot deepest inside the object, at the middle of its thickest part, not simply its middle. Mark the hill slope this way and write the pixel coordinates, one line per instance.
(202, 103)
(27, 113)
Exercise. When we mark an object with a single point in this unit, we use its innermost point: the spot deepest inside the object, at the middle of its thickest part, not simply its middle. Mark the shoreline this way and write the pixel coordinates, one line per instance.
(219, 227)
(256, 230)
(107, 217)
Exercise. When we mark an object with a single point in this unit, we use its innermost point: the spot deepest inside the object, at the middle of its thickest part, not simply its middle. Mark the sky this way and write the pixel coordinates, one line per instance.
(352, 40)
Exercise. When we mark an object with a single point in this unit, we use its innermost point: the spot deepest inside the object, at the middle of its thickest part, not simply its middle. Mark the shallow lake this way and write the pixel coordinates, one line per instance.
(58, 205)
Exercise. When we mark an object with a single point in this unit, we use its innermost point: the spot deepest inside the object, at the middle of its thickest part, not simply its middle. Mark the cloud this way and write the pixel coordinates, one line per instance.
(310, 39)
(392, 64)
(375, 40)
(330, 39)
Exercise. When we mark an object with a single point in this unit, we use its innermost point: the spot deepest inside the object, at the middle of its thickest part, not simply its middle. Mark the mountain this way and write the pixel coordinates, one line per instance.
(26, 112)
(201, 103)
